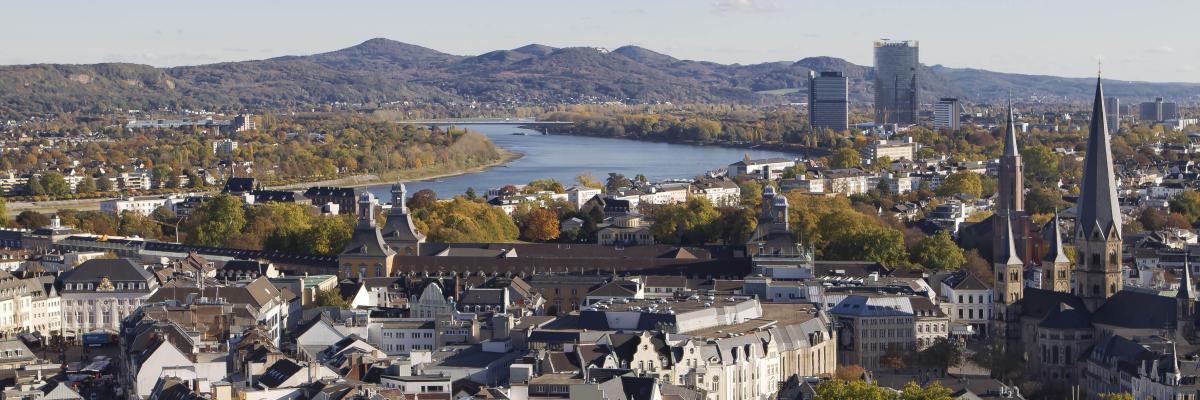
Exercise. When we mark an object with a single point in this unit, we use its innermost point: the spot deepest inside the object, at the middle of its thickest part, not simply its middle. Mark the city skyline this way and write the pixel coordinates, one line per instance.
(726, 31)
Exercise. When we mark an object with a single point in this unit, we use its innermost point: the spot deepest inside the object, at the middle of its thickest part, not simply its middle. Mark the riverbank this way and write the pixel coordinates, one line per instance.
(420, 174)
(805, 151)
(355, 181)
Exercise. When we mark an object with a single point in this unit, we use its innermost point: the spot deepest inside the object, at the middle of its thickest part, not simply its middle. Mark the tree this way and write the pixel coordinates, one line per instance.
(55, 184)
(893, 357)
(104, 184)
(588, 180)
(328, 235)
(913, 391)
(217, 220)
(845, 157)
(837, 389)
(32, 220)
(86, 186)
(422, 199)
(34, 187)
(130, 223)
(693, 222)
(3, 212)
(540, 225)
(1187, 203)
(939, 252)
(464, 221)
(550, 185)
(850, 372)
(330, 298)
(1152, 219)
(1041, 165)
(1044, 200)
(964, 182)
(616, 181)
(942, 354)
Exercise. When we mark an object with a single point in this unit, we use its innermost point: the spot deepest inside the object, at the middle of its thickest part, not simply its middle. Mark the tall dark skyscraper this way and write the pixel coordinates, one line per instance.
(896, 64)
(827, 101)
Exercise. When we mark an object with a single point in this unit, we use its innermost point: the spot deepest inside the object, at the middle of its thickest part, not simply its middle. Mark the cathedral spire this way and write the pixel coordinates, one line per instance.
(1186, 290)
(1099, 211)
(1010, 135)
(1055, 253)
(1011, 256)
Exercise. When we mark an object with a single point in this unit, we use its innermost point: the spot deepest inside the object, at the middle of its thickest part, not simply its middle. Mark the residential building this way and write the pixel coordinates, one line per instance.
(894, 150)
(224, 147)
(719, 192)
(828, 101)
(144, 205)
(896, 88)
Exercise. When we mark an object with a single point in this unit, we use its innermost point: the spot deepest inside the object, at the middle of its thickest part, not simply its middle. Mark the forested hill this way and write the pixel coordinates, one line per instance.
(382, 70)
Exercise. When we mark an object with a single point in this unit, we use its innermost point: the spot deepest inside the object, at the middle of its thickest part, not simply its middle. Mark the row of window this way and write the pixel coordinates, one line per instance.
(117, 285)
(402, 335)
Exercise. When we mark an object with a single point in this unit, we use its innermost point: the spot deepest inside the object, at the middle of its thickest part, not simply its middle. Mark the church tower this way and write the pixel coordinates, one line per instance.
(1098, 226)
(1185, 304)
(1010, 199)
(1010, 284)
(1056, 267)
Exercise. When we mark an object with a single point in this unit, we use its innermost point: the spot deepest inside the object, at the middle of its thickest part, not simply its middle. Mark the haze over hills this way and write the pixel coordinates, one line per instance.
(382, 70)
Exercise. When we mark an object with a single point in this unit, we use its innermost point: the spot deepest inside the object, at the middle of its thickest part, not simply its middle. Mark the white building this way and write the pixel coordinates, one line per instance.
(224, 147)
(144, 206)
(719, 192)
(99, 293)
(967, 300)
(769, 168)
(899, 149)
(577, 195)
(403, 337)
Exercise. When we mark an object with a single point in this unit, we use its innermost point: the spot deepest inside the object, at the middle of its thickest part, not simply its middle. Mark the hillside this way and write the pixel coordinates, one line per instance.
(381, 70)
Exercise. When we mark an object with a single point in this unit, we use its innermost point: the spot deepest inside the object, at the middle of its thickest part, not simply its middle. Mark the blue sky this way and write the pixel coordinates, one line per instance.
(1141, 40)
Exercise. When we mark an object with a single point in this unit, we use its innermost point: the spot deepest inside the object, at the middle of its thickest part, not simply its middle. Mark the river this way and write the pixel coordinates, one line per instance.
(565, 157)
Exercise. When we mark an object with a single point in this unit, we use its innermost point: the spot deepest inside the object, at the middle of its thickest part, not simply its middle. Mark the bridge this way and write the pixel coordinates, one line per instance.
(486, 121)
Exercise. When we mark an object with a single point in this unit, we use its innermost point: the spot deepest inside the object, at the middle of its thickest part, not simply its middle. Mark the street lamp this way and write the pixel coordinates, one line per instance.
(176, 226)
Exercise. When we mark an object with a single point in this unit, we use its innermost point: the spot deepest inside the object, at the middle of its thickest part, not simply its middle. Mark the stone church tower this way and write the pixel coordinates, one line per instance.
(1098, 227)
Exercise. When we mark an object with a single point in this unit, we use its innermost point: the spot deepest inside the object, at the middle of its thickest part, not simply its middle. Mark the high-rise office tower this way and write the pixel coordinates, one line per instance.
(1151, 110)
(896, 64)
(827, 100)
(945, 113)
(1112, 105)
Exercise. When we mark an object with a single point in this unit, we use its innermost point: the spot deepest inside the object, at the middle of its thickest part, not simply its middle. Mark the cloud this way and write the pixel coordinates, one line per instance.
(744, 6)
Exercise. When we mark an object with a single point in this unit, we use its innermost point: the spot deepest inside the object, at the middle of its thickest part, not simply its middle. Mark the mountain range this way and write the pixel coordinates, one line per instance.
(382, 70)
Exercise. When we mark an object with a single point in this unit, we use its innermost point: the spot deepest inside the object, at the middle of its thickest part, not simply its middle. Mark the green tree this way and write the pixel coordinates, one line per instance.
(328, 235)
(104, 184)
(34, 187)
(837, 389)
(964, 182)
(130, 223)
(1187, 203)
(465, 221)
(845, 158)
(695, 222)
(939, 252)
(86, 186)
(330, 298)
(913, 391)
(1041, 165)
(616, 181)
(217, 221)
(55, 184)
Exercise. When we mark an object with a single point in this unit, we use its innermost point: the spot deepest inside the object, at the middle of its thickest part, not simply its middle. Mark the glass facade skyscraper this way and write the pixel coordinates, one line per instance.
(896, 64)
(827, 100)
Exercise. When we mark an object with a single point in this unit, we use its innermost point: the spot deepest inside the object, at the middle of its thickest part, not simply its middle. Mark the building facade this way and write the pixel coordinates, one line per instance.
(828, 104)
(896, 90)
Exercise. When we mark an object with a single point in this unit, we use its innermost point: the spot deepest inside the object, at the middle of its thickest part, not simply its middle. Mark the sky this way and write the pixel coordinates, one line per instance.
(1144, 40)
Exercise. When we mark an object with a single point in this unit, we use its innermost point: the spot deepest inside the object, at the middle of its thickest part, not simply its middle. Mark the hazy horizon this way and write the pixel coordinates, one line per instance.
(1061, 38)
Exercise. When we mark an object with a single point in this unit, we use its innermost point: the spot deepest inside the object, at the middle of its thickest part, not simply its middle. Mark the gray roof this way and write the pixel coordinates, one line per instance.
(1010, 135)
(1098, 206)
(1055, 253)
(118, 269)
(1010, 254)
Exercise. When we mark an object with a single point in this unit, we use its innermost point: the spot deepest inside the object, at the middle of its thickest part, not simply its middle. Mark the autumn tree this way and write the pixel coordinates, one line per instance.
(422, 199)
(1187, 203)
(217, 220)
(330, 298)
(540, 225)
(964, 182)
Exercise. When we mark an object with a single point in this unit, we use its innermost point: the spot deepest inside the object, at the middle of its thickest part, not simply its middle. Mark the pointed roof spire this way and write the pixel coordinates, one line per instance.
(1186, 290)
(1010, 258)
(1055, 253)
(1010, 135)
(1098, 206)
